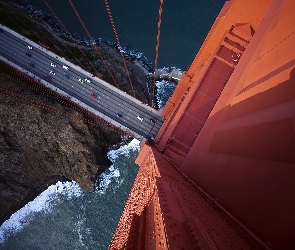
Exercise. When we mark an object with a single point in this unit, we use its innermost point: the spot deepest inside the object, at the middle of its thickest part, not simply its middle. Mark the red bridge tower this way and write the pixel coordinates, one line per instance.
(221, 172)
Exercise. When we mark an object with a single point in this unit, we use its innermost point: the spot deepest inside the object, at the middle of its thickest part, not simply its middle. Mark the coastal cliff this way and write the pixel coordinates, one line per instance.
(39, 147)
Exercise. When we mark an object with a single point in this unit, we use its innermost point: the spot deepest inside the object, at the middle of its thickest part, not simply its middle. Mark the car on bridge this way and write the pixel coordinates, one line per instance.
(151, 139)
(84, 88)
(139, 118)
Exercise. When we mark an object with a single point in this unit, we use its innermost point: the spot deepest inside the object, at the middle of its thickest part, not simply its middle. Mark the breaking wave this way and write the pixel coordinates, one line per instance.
(43, 203)
(113, 173)
(165, 89)
(62, 191)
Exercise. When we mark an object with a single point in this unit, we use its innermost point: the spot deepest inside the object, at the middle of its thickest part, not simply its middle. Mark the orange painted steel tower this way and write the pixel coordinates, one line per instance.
(221, 172)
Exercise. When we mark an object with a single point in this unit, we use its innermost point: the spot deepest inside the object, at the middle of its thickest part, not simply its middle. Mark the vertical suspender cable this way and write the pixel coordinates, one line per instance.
(24, 79)
(30, 101)
(157, 49)
(73, 39)
(45, 36)
(65, 46)
(118, 42)
(86, 30)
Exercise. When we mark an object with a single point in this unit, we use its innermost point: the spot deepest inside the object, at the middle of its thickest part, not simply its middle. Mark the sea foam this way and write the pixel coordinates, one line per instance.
(44, 202)
(113, 173)
(55, 194)
(164, 91)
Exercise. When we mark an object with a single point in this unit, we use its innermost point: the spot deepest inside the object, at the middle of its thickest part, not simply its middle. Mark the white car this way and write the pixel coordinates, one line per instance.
(139, 118)
(52, 72)
(80, 80)
(53, 65)
(65, 67)
(87, 80)
(30, 47)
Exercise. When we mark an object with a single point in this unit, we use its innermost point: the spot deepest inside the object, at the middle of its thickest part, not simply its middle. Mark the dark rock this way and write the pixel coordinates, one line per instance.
(38, 146)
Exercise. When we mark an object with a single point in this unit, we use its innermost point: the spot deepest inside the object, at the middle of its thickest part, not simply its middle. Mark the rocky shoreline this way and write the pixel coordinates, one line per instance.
(39, 147)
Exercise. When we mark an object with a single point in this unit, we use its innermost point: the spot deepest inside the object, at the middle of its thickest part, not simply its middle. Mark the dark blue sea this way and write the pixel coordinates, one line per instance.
(63, 216)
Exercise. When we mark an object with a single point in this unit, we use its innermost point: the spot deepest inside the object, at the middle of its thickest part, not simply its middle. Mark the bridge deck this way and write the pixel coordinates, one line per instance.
(97, 95)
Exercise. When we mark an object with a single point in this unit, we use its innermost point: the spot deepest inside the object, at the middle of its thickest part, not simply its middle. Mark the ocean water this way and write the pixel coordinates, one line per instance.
(184, 26)
(63, 216)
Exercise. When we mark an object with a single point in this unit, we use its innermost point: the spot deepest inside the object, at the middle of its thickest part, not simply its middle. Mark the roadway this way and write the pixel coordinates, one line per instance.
(77, 83)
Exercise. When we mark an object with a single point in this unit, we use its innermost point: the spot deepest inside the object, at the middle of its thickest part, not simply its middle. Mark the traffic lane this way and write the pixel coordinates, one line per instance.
(77, 74)
(84, 97)
(109, 108)
(34, 53)
(115, 98)
(144, 118)
(93, 104)
(43, 65)
(142, 130)
(99, 88)
(20, 56)
(79, 95)
(134, 112)
(130, 105)
(90, 104)
(130, 123)
(25, 44)
(20, 60)
(63, 72)
(92, 88)
(49, 60)
(101, 94)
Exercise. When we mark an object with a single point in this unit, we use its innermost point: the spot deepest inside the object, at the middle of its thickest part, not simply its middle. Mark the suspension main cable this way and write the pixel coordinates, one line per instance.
(72, 38)
(98, 52)
(118, 43)
(157, 49)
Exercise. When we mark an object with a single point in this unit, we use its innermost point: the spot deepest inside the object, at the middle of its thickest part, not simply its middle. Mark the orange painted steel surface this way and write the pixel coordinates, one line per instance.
(166, 210)
(221, 172)
(141, 224)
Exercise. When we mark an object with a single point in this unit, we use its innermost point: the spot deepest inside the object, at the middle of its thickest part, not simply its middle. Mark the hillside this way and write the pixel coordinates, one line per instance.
(40, 144)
